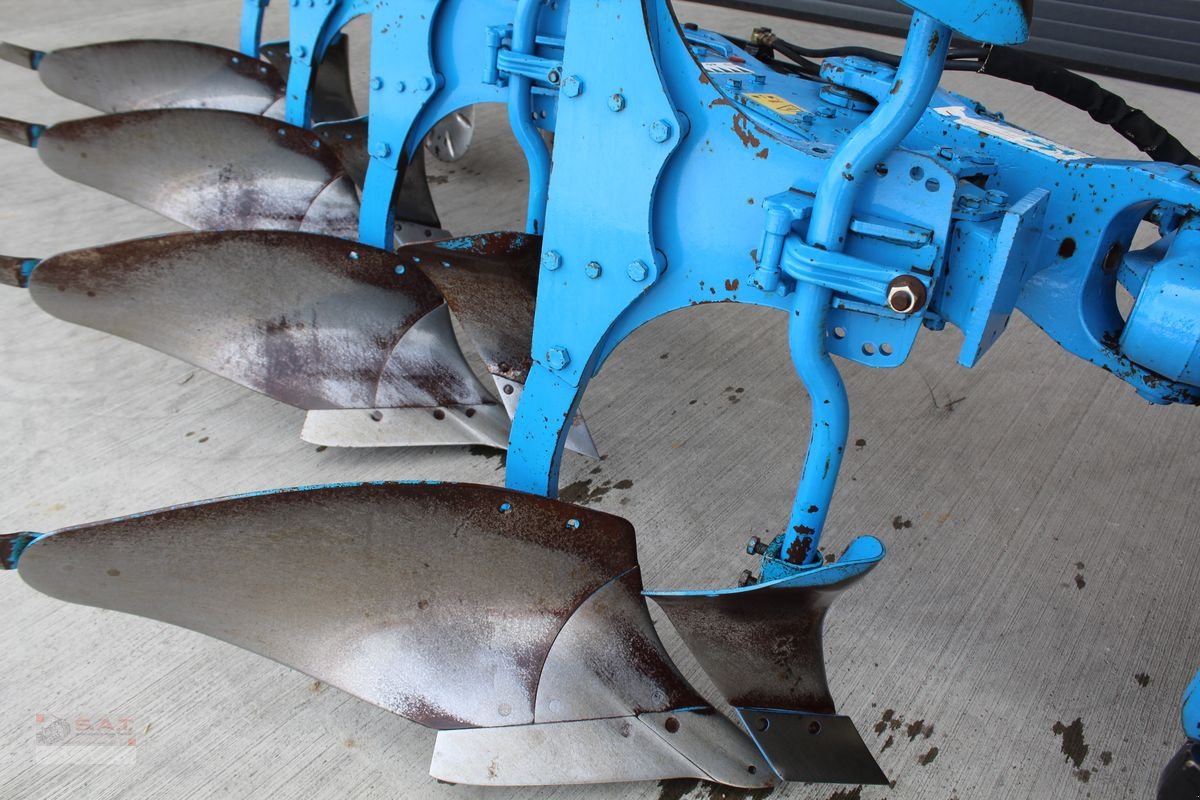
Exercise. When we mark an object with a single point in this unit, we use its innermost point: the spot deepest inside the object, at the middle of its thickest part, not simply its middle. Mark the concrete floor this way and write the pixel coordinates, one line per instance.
(1029, 631)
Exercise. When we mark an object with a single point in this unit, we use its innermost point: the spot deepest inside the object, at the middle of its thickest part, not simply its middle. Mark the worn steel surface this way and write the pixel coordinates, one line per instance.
(367, 587)
(21, 56)
(333, 96)
(208, 169)
(610, 635)
(311, 321)
(152, 73)
(697, 743)
(762, 647)
(485, 424)
(417, 218)
(362, 586)
(815, 748)
(490, 283)
(451, 138)
(761, 644)
(19, 132)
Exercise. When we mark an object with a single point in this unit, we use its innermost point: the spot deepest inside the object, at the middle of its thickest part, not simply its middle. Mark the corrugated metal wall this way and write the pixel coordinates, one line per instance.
(1153, 40)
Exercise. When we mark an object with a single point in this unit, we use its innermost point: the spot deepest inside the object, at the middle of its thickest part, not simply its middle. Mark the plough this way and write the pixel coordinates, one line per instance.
(879, 205)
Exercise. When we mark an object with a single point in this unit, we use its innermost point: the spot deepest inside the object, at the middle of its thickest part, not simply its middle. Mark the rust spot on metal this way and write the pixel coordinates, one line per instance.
(731, 285)
(763, 154)
(761, 648)
(798, 550)
(934, 41)
(297, 351)
(740, 127)
(552, 577)
(490, 284)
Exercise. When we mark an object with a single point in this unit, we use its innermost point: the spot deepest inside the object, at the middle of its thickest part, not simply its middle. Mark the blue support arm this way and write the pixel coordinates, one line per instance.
(916, 80)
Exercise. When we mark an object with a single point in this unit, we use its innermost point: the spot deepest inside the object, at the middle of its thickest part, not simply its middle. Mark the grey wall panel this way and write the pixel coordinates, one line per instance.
(1154, 40)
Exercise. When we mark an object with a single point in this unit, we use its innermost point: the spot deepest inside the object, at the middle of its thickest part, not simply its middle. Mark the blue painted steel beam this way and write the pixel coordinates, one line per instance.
(252, 22)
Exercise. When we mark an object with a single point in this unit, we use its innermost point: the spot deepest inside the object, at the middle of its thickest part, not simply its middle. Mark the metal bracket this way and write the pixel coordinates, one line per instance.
(504, 62)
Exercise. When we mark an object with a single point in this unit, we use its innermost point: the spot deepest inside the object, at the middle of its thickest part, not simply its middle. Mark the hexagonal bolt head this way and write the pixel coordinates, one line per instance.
(381, 150)
(616, 102)
(593, 269)
(572, 86)
(557, 358)
(906, 295)
(756, 546)
(660, 130)
(746, 579)
(551, 260)
(637, 271)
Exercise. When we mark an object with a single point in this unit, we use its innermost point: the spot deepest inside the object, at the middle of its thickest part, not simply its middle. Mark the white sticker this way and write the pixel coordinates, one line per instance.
(726, 68)
(1009, 133)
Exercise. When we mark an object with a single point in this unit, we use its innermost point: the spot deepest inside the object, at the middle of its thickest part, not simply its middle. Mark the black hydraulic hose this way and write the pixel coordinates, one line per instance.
(787, 48)
(1018, 66)
(1083, 93)
(800, 65)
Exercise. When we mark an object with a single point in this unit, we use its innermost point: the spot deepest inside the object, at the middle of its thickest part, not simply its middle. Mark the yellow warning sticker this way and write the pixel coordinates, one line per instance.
(776, 104)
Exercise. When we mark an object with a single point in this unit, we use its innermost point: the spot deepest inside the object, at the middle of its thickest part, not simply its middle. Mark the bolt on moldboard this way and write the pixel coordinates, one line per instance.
(660, 130)
(557, 358)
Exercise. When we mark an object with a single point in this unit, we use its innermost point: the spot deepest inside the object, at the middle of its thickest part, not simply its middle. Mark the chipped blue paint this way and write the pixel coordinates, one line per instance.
(863, 554)
(475, 244)
(990, 21)
(14, 544)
